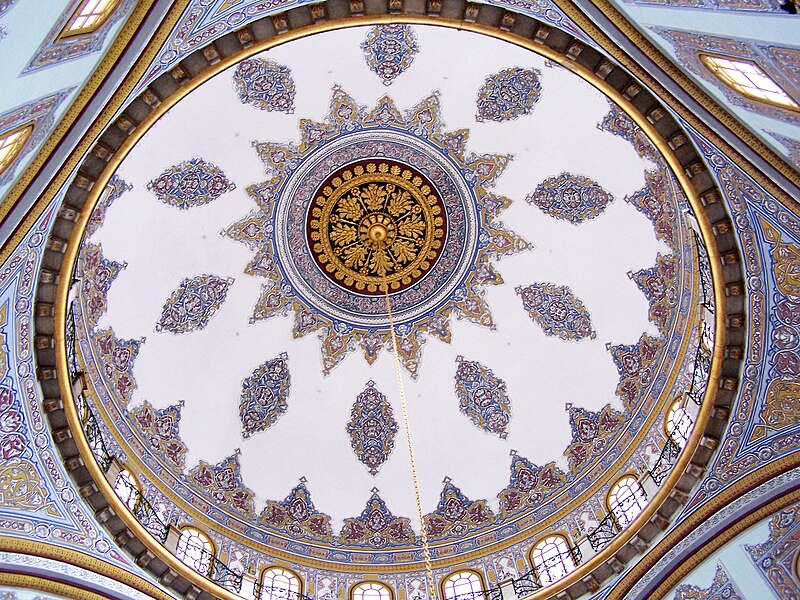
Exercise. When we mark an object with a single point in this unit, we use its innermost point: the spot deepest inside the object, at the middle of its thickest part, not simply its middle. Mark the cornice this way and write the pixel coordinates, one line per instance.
(71, 557)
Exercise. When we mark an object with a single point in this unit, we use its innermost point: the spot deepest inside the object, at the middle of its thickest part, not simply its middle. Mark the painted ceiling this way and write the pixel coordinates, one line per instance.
(757, 450)
(233, 307)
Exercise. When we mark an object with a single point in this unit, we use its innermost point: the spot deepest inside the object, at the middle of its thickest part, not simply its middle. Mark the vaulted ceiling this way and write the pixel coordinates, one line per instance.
(353, 287)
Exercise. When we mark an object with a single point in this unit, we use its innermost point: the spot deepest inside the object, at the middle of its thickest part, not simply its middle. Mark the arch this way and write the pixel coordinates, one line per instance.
(371, 590)
(678, 423)
(279, 583)
(463, 585)
(552, 558)
(747, 78)
(195, 549)
(89, 17)
(127, 488)
(626, 499)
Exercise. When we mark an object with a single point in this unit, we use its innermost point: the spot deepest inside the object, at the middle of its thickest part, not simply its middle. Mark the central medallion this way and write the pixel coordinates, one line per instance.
(370, 202)
(376, 223)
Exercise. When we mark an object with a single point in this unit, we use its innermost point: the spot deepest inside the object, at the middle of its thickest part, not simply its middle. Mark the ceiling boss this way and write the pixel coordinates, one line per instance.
(376, 223)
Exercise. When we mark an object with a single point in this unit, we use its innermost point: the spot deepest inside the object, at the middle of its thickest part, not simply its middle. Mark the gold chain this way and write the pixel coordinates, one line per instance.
(424, 534)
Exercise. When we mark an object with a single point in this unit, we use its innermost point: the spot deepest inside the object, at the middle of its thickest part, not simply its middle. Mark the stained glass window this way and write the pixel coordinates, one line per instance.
(11, 144)
(750, 80)
(371, 590)
(679, 423)
(127, 489)
(279, 584)
(91, 14)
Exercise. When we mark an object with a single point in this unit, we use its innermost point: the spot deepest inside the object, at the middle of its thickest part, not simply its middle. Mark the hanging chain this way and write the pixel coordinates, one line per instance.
(415, 479)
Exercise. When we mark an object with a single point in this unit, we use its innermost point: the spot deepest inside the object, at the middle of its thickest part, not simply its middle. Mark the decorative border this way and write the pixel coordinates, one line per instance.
(83, 561)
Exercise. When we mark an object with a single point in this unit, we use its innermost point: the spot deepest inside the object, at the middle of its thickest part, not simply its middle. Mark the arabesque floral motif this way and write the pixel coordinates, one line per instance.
(591, 434)
(635, 365)
(265, 84)
(191, 306)
(160, 429)
(509, 94)
(389, 50)
(557, 311)
(117, 357)
(264, 395)
(191, 183)
(722, 588)
(660, 286)
(372, 428)
(782, 407)
(376, 527)
(115, 188)
(482, 397)
(570, 197)
(619, 123)
(21, 486)
(529, 484)
(12, 426)
(282, 259)
(456, 515)
(99, 274)
(654, 200)
(776, 557)
(297, 516)
(223, 484)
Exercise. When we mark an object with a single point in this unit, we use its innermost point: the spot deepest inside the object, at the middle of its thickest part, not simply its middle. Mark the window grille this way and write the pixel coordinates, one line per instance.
(626, 499)
(552, 559)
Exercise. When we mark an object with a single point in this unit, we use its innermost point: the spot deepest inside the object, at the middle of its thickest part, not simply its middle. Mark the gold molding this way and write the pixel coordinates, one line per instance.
(720, 317)
(698, 516)
(39, 583)
(691, 88)
(78, 559)
(722, 538)
(72, 114)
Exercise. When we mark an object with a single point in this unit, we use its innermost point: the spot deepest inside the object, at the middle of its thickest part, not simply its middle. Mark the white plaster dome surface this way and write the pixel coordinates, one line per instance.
(161, 245)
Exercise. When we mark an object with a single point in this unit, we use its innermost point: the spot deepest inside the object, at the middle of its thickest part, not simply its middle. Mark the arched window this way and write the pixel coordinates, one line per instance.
(463, 585)
(679, 424)
(552, 558)
(748, 79)
(279, 584)
(89, 16)
(11, 144)
(626, 499)
(371, 590)
(195, 549)
(127, 489)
